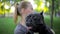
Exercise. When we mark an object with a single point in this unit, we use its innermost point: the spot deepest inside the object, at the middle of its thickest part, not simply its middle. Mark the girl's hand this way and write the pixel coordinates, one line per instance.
(29, 28)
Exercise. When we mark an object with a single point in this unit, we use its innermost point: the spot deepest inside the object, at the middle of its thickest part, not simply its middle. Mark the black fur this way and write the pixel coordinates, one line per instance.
(36, 21)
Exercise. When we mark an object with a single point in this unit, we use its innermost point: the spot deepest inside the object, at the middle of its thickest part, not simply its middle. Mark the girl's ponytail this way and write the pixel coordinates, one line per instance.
(15, 13)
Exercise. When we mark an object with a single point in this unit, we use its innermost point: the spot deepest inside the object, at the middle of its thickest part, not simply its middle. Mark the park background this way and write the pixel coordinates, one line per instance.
(51, 9)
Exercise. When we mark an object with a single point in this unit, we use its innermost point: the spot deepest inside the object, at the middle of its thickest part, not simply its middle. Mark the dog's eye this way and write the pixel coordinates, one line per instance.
(29, 15)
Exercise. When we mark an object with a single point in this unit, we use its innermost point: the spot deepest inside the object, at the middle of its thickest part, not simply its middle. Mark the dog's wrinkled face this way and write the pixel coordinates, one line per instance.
(34, 19)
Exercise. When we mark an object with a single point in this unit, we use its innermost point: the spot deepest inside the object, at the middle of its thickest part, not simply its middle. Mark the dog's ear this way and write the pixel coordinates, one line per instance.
(41, 13)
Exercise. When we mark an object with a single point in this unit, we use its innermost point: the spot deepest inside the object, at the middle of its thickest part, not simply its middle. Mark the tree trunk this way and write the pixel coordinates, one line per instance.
(52, 13)
(55, 13)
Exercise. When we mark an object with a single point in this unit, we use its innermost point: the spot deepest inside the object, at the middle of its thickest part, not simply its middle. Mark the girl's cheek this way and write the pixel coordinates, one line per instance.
(29, 11)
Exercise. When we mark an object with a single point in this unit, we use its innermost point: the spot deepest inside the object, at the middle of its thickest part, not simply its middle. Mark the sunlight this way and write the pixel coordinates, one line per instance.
(47, 4)
(33, 4)
(1, 0)
(42, 6)
(12, 9)
(6, 7)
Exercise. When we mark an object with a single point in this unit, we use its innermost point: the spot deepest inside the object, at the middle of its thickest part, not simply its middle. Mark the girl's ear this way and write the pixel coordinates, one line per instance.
(22, 10)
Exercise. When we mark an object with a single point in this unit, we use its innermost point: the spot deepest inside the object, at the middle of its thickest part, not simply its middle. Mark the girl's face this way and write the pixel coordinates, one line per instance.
(28, 10)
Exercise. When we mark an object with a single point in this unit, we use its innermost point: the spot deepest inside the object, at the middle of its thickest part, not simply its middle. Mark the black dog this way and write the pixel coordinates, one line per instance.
(36, 21)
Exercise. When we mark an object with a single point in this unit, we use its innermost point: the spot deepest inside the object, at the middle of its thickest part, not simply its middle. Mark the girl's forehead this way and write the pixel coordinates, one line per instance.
(30, 6)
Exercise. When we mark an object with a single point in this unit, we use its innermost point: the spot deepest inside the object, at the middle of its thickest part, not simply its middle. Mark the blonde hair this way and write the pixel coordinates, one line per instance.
(23, 4)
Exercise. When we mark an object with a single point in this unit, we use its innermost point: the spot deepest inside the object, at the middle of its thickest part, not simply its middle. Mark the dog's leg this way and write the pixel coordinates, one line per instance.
(53, 31)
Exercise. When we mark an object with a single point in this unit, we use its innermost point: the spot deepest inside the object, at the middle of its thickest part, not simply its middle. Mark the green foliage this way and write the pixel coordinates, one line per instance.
(41, 6)
(2, 7)
(56, 5)
(6, 2)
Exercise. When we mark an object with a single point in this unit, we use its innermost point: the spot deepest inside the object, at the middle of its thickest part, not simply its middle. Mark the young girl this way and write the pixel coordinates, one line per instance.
(23, 9)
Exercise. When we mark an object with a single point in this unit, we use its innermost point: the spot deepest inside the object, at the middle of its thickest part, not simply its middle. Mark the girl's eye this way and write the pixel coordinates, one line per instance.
(31, 8)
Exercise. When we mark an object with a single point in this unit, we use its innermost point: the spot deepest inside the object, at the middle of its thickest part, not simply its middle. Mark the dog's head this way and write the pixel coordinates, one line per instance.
(34, 19)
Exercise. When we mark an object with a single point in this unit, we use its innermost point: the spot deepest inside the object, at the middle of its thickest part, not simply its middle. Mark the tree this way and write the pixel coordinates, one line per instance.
(56, 5)
(52, 12)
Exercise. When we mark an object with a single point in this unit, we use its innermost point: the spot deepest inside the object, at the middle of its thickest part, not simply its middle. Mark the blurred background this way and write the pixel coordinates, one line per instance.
(51, 9)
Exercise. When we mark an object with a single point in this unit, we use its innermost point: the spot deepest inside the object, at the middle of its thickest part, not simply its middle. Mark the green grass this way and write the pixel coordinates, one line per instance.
(7, 25)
